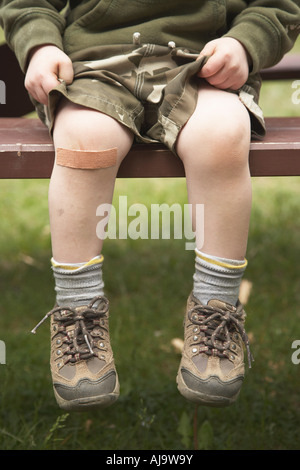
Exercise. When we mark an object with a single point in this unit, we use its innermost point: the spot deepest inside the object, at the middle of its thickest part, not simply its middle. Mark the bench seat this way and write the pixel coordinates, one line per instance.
(26, 151)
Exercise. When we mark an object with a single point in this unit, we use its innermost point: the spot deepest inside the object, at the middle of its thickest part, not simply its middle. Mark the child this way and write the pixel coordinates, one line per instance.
(102, 73)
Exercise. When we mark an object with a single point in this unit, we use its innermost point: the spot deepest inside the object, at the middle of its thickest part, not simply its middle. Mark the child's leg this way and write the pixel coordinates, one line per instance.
(75, 194)
(82, 363)
(214, 147)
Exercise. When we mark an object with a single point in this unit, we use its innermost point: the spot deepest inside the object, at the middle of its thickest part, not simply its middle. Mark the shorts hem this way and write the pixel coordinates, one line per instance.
(115, 111)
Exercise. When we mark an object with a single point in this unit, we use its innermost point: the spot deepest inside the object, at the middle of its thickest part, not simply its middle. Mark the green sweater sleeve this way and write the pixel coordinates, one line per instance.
(267, 29)
(26, 25)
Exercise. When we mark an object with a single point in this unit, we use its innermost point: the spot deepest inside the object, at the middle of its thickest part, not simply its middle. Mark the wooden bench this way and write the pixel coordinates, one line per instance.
(26, 150)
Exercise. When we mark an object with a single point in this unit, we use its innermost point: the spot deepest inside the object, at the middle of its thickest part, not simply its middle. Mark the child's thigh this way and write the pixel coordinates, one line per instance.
(220, 122)
(80, 128)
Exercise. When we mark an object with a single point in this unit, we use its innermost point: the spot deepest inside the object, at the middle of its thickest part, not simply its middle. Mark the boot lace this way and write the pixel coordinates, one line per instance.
(219, 327)
(79, 342)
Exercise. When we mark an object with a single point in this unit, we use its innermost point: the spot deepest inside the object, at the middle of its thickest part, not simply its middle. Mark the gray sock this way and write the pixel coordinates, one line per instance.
(79, 283)
(217, 278)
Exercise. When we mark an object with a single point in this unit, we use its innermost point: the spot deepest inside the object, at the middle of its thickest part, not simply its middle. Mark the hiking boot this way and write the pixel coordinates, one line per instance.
(82, 363)
(211, 370)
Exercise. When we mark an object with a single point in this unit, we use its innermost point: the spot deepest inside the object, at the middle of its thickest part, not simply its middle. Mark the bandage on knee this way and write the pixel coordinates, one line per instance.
(86, 159)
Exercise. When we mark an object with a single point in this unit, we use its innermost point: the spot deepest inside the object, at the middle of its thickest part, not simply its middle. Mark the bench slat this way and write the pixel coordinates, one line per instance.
(26, 151)
(287, 69)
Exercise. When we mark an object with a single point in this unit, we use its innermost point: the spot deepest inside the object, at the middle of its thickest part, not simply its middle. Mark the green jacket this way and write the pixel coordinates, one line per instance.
(266, 28)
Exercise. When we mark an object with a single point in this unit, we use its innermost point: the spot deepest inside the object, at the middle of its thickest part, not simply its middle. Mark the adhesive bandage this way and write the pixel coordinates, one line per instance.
(86, 159)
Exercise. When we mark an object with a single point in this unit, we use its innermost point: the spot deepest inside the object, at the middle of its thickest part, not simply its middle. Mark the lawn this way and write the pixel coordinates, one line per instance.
(147, 282)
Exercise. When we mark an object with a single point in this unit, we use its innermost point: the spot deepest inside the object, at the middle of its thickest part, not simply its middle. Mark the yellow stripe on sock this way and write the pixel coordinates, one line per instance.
(72, 268)
(221, 263)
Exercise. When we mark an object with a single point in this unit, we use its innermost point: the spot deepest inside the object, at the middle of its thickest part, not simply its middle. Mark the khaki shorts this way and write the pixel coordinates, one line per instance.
(150, 89)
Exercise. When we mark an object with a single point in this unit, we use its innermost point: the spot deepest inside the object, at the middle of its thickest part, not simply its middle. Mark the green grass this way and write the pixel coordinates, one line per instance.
(148, 282)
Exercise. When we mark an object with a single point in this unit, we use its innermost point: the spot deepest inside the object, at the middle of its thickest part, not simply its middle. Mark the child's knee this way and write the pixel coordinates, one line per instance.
(78, 128)
(216, 139)
(230, 138)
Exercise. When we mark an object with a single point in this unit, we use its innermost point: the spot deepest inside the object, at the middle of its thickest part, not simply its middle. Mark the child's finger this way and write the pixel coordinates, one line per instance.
(41, 92)
(208, 49)
(214, 64)
(65, 71)
(39, 95)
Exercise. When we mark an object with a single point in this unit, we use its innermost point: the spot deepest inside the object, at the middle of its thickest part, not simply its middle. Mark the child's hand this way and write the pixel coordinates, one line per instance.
(228, 66)
(47, 64)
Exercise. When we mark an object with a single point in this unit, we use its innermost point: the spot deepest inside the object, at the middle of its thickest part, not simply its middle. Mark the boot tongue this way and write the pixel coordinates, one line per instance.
(214, 303)
(80, 308)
